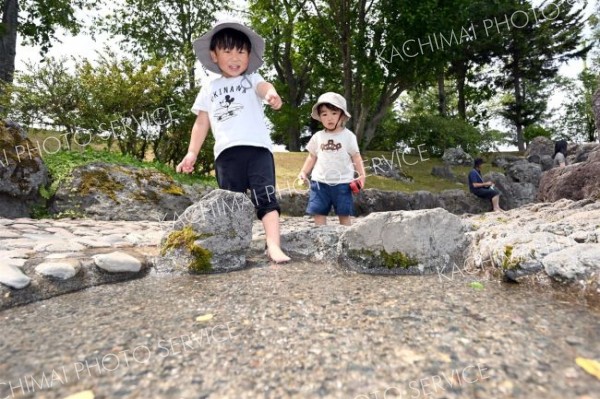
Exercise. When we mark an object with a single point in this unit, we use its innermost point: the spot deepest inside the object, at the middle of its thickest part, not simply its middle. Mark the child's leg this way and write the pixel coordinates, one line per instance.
(345, 220)
(271, 224)
(261, 175)
(343, 205)
(320, 220)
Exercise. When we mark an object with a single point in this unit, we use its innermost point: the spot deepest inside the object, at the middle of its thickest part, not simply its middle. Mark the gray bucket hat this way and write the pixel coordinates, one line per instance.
(202, 46)
(332, 98)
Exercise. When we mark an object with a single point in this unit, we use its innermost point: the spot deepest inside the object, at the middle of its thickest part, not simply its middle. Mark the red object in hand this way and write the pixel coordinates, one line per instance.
(355, 186)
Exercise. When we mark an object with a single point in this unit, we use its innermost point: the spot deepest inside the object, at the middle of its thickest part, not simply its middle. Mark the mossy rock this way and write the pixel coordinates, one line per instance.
(383, 259)
(185, 239)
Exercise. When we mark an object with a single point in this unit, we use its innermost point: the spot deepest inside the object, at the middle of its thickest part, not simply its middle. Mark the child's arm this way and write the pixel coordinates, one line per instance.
(359, 168)
(307, 167)
(199, 133)
(267, 92)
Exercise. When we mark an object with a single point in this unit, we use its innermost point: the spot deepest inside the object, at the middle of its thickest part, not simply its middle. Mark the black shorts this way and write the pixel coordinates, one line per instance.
(243, 168)
(484, 192)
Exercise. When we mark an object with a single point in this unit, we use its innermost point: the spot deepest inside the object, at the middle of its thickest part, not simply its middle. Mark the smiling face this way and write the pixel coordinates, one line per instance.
(232, 62)
(230, 50)
(332, 117)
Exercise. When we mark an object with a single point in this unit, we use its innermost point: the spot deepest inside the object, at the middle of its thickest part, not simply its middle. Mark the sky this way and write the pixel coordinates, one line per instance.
(85, 47)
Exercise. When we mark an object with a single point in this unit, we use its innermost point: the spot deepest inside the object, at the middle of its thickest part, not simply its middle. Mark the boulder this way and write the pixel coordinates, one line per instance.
(576, 182)
(457, 156)
(293, 202)
(386, 168)
(114, 192)
(460, 202)
(512, 194)
(583, 152)
(524, 173)
(417, 242)
(538, 147)
(546, 162)
(502, 161)
(444, 172)
(211, 236)
(22, 172)
(557, 240)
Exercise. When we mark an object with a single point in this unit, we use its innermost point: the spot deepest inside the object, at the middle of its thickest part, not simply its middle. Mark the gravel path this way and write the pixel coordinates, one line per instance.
(301, 331)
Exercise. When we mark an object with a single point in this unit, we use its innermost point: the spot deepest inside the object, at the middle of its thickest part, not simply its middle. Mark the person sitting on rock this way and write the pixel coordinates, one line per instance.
(483, 189)
(560, 153)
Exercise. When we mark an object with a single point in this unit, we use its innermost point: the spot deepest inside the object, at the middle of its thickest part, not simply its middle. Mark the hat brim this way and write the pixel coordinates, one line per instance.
(202, 47)
(315, 114)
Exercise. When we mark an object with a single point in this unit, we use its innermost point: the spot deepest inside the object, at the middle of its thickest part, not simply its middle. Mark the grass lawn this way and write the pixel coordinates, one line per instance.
(288, 164)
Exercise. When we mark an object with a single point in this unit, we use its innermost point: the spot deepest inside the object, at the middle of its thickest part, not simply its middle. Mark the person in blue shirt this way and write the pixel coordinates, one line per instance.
(483, 189)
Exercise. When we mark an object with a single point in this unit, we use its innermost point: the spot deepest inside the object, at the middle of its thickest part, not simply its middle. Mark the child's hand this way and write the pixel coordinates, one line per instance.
(302, 177)
(187, 164)
(273, 99)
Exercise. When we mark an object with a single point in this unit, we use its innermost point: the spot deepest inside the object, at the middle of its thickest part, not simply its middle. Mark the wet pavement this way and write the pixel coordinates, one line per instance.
(301, 330)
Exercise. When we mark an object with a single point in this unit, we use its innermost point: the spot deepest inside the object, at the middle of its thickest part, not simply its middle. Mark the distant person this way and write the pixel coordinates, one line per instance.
(483, 189)
(560, 153)
(333, 159)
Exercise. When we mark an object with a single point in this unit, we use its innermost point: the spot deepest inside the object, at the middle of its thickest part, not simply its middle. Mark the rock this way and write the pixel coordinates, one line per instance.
(513, 194)
(504, 160)
(118, 262)
(317, 244)
(577, 181)
(418, 242)
(114, 192)
(22, 172)
(538, 240)
(460, 202)
(573, 263)
(13, 277)
(62, 270)
(444, 172)
(210, 236)
(293, 202)
(386, 168)
(584, 151)
(538, 147)
(457, 156)
(524, 173)
(546, 162)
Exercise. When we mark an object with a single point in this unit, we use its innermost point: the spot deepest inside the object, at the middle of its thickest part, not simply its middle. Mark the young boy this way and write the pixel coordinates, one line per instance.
(231, 106)
(335, 157)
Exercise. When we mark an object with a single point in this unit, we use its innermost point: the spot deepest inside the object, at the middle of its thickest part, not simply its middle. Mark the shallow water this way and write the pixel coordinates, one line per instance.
(301, 330)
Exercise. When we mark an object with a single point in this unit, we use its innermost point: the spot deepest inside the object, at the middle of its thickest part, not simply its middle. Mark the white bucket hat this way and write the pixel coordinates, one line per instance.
(202, 46)
(334, 99)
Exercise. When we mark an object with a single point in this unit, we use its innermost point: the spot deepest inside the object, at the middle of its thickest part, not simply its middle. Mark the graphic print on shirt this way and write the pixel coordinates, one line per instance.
(331, 146)
(228, 109)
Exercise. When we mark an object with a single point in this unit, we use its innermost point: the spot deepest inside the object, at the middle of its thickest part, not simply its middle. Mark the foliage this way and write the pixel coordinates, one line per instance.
(163, 29)
(533, 131)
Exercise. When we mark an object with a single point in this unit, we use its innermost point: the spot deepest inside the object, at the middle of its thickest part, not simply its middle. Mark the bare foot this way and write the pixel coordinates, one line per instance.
(275, 254)
(499, 210)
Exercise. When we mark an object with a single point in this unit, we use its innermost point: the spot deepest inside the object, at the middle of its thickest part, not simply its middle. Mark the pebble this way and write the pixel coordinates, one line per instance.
(117, 262)
(13, 277)
(62, 270)
(60, 248)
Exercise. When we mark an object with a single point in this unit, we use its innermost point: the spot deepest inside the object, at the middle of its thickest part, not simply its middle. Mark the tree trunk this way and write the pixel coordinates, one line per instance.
(461, 77)
(8, 40)
(596, 108)
(441, 80)
(518, 117)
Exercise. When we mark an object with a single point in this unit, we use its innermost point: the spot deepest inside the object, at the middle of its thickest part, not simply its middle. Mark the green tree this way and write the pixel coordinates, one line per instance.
(163, 29)
(533, 49)
(576, 121)
(37, 21)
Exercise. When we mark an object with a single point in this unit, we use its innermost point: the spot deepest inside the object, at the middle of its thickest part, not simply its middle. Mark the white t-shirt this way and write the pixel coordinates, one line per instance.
(235, 112)
(334, 153)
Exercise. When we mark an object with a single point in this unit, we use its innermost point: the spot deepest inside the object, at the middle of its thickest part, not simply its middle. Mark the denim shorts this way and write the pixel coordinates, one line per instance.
(323, 196)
